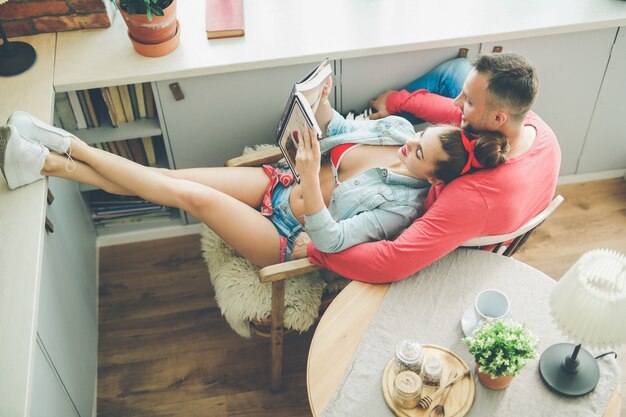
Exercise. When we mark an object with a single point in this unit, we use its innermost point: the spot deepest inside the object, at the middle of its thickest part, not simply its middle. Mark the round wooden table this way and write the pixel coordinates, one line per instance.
(344, 324)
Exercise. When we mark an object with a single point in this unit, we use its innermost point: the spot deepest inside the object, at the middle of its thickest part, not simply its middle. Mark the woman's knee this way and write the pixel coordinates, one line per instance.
(193, 197)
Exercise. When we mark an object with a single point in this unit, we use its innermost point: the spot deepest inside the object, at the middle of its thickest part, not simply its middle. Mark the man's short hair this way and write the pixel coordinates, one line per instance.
(513, 82)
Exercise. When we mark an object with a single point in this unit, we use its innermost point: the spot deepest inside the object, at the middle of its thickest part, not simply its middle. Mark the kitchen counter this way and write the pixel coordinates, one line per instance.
(287, 32)
(22, 216)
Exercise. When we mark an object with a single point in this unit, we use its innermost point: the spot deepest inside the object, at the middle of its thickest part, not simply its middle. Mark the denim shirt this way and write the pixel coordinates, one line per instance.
(374, 205)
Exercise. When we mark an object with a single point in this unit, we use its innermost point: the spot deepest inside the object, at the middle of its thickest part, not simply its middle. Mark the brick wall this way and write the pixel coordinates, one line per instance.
(29, 17)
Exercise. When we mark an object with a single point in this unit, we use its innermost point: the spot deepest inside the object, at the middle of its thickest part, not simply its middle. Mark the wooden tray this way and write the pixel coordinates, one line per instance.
(461, 395)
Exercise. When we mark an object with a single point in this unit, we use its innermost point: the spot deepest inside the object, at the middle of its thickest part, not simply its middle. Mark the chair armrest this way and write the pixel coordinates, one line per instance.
(286, 270)
(255, 159)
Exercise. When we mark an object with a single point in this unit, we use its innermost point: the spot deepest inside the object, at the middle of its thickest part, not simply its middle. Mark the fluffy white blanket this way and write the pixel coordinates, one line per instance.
(241, 296)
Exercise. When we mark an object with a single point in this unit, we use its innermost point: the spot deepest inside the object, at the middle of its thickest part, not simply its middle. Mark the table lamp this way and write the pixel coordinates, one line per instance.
(15, 57)
(589, 305)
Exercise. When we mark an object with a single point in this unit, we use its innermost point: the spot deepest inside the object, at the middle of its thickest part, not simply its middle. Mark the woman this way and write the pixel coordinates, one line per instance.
(370, 192)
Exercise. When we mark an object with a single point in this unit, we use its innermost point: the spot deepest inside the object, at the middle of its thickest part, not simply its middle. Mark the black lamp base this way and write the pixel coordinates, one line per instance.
(568, 382)
(16, 57)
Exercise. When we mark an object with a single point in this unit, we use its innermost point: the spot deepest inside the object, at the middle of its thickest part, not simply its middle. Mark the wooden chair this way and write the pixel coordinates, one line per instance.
(276, 275)
(509, 243)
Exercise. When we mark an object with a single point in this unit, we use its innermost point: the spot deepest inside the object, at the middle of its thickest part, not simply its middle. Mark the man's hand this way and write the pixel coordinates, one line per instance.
(380, 105)
(300, 245)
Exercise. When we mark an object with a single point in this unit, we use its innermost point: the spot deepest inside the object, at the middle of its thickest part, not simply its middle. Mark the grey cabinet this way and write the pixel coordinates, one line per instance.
(48, 399)
(222, 113)
(605, 145)
(365, 78)
(571, 67)
(67, 328)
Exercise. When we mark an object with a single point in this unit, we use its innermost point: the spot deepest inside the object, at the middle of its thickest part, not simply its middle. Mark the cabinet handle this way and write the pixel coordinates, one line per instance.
(50, 197)
(49, 225)
(497, 49)
(177, 92)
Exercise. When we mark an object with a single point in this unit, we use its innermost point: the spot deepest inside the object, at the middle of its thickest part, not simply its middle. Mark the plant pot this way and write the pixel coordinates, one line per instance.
(158, 49)
(498, 383)
(160, 30)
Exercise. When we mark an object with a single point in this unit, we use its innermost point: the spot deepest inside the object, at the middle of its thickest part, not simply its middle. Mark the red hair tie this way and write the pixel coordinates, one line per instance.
(469, 147)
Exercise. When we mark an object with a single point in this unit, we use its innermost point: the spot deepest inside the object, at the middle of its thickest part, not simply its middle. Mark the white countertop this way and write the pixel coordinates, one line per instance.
(278, 32)
(285, 32)
(22, 215)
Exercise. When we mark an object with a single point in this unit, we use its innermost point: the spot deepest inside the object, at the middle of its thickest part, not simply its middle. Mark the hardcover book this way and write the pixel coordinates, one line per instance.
(300, 112)
(224, 18)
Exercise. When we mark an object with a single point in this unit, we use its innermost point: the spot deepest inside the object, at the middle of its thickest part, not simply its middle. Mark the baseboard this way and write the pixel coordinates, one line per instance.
(594, 176)
(148, 234)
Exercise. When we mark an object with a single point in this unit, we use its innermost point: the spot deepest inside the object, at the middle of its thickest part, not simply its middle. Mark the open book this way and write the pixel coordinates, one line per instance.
(300, 112)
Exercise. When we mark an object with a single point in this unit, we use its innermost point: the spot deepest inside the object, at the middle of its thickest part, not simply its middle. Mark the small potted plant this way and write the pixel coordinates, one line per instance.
(152, 25)
(501, 349)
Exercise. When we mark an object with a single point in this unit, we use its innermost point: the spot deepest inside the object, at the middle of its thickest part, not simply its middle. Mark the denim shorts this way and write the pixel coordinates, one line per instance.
(283, 219)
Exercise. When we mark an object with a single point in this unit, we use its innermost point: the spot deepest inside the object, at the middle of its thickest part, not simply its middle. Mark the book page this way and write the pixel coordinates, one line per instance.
(311, 86)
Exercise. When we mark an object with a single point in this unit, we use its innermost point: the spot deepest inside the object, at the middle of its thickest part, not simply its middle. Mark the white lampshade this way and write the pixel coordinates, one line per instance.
(589, 302)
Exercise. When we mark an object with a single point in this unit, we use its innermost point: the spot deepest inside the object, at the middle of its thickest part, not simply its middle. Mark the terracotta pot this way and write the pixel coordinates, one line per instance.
(498, 383)
(159, 30)
(159, 49)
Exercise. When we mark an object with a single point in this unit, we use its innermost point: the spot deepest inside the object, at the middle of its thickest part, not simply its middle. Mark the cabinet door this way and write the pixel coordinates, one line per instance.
(76, 234)
(605, 145)
(220, 114)
(67, 323)
(48, 398)
(362, 79)
(570, 67)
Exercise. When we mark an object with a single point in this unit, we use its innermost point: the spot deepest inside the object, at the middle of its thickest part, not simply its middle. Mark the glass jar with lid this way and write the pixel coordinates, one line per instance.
(407, 388)
(431, 374)
(409, 356)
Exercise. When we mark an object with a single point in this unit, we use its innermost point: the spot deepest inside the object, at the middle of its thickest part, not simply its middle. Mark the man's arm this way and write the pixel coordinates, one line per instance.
(430, 107)
(458, 215)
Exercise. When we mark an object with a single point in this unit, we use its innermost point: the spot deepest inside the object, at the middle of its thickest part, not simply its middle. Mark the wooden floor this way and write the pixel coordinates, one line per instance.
(165, 350)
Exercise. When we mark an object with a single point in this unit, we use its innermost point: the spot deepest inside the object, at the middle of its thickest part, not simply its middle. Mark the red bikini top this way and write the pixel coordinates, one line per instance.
(337, 152)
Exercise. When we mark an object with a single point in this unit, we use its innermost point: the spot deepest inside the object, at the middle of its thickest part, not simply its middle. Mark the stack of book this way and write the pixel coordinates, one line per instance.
(92, 108)
(110, 210)
(140, 150)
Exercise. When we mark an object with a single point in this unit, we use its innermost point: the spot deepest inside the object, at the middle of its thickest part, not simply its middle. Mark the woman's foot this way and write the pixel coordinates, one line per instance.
(21, 161)
(34, 130)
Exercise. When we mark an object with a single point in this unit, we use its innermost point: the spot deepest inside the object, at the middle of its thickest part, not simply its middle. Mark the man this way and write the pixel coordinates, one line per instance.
(497, 95)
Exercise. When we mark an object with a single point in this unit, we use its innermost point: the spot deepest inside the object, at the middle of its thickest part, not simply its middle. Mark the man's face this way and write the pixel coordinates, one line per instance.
(473, 103)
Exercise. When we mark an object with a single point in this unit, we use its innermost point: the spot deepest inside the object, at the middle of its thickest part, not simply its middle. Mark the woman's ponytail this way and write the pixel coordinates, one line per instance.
(469, 150)
(491, 148)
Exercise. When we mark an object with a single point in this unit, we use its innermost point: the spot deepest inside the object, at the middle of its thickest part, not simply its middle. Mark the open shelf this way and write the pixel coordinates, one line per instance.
(108, 133)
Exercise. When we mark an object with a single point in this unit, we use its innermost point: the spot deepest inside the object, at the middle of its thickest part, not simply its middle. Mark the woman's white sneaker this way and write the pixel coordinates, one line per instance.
(21, 161)
(34, 130)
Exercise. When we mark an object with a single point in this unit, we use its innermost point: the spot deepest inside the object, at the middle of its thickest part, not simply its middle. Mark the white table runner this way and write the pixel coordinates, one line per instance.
(428, 307)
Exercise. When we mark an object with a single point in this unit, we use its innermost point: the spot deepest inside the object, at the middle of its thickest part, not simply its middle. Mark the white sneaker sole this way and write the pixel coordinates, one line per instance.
(16, 175)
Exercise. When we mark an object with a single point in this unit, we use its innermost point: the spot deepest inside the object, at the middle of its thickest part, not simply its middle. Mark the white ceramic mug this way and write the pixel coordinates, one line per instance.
(489, 305)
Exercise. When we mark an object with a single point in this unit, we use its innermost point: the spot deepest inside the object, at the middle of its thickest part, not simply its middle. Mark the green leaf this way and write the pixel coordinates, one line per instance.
(157, 10)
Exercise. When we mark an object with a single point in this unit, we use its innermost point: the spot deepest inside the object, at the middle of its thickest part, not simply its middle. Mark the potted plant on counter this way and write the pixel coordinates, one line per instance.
(152, 25)
(501, 349)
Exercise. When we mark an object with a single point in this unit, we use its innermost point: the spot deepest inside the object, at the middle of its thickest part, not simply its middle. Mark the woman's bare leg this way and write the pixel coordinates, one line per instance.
(246, 184)
(56, 166)
(240, 225)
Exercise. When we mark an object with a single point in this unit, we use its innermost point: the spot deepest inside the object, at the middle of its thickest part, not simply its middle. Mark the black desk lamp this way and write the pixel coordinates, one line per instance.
(15, 57)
